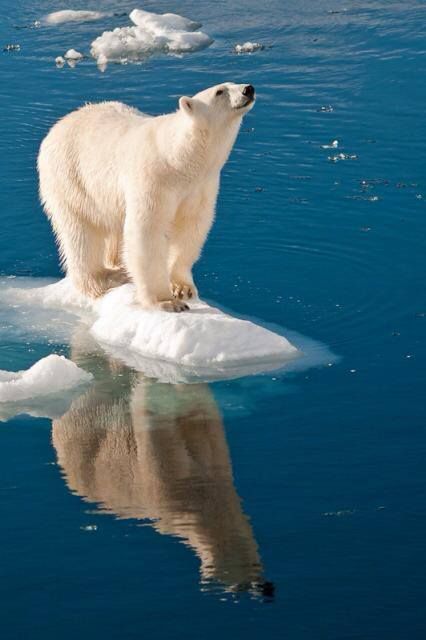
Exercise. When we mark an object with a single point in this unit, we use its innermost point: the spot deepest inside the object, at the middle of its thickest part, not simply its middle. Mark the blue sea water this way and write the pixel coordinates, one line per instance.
(277, 505)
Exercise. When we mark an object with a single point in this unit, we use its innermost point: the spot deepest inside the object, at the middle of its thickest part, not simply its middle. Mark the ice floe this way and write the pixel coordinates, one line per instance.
(72, 54)
(248, 47)
(47, 376)
(204, 343)
(201, 339)
(69, 15)
(151, 33)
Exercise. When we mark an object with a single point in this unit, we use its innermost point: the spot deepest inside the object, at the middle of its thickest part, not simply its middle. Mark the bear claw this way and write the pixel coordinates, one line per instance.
(174, 306)
(183, 291)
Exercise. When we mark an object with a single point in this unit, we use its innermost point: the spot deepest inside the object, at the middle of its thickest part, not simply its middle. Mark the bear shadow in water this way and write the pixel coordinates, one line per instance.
(158, 452)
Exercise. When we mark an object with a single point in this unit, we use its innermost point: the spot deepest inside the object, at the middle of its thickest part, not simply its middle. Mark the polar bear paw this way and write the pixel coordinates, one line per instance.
(183, 291)
(174, 306)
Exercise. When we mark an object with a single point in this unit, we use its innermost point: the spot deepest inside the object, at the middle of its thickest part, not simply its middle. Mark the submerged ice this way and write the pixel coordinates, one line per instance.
(152, 32)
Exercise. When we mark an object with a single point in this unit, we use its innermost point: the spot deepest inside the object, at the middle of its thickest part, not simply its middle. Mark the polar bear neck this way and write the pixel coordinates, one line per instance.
(193, 148)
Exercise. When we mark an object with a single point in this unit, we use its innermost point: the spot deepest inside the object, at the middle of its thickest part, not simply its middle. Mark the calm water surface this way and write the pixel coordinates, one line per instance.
(277, 505)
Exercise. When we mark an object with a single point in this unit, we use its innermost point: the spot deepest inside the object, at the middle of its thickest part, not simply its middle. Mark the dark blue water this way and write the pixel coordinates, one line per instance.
(275, 505)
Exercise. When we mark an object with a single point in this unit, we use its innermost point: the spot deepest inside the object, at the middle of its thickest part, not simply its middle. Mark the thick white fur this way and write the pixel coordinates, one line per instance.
(134, 195)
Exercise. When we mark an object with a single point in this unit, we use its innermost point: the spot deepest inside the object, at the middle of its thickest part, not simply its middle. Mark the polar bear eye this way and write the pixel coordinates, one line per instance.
(219, 92)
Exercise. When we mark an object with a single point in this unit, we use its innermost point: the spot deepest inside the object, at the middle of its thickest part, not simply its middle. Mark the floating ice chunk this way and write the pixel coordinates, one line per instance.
(166, 21)
(12, 47)
(59, 61)
(203, 337)
(69, 15)
(201, 344)
(72, 54)
(342, 156)
(47, 376)
(166, 33)
(331, 145)
(248, 47)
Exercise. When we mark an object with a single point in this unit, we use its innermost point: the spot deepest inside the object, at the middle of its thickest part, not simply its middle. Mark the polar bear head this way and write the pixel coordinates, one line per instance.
(220, 105)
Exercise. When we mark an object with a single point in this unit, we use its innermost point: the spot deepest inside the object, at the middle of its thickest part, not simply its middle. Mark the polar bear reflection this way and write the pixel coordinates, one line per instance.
(147, 450)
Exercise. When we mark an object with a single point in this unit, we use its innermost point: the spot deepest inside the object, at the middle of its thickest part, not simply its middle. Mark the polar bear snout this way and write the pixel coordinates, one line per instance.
(249, 91)
(246, 97)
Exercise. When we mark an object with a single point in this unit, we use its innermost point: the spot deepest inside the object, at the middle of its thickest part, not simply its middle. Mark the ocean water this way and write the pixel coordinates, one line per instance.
(281, 505)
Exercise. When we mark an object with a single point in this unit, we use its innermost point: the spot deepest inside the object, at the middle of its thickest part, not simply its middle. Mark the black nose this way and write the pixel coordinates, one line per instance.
(248, 91)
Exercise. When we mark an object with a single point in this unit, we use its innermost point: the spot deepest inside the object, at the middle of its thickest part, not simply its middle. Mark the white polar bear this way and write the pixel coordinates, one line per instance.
(134, 195)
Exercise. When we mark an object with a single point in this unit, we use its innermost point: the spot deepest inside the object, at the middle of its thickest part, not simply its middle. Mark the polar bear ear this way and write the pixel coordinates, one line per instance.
(186, 104)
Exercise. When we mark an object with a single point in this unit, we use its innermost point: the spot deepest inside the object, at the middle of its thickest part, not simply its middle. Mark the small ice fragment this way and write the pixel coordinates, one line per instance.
(331, 145)
(342, 156)
(248, 47)
(69, 15)
(59, 61)
(325, 109)
(90, 527)
(12, 47)
(339, 514)
(419, 196)
(72, 54)
(49, 375)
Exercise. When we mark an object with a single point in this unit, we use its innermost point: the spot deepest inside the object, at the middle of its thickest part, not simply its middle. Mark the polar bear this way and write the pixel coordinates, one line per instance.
(133, 195)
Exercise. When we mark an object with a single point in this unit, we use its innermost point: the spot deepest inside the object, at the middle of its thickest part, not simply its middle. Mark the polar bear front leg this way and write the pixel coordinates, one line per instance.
(145, 251)
(187, 239)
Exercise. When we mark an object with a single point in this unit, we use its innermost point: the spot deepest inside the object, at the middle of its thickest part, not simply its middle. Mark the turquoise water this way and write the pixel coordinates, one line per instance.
(284, 505)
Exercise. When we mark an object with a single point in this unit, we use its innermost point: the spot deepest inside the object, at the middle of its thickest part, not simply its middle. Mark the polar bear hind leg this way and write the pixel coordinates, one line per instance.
(82, 249)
